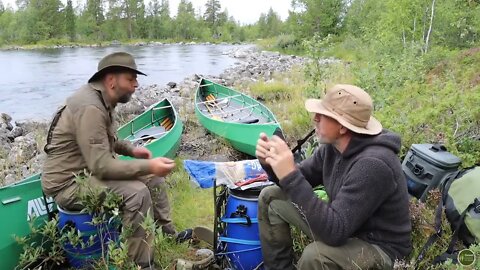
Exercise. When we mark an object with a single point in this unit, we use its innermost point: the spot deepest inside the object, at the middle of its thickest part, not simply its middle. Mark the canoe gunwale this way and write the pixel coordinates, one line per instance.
(246, 100)
(172, 114)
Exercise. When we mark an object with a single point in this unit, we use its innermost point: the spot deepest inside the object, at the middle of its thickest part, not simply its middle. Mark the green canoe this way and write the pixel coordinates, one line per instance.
(232, 115)
(160, 130)
(19, 202)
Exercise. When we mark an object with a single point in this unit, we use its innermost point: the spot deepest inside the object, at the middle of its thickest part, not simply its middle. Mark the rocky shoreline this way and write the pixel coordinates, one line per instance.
(21, 143)
(107, 44)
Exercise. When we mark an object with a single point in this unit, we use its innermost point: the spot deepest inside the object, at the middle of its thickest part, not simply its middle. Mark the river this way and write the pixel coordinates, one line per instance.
(34, 82)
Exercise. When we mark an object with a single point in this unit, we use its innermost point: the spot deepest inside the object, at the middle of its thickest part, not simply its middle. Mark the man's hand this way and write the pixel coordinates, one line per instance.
(262, 148)
(279, 156)
(161, 166)
(141, 152)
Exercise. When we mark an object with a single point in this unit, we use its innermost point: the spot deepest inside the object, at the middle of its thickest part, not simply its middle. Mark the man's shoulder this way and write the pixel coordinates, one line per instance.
(83, 97)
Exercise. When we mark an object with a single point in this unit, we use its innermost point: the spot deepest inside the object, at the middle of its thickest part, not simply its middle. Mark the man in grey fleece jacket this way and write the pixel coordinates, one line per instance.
(365, 224)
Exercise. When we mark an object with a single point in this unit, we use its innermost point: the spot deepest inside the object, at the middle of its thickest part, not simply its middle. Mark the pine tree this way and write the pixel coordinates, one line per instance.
(70, 21)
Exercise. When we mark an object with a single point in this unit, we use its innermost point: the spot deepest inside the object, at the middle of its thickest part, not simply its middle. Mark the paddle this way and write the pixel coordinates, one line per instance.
(300, 142)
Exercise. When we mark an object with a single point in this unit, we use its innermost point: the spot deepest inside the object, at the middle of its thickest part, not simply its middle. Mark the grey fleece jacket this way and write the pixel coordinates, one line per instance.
(367, 191)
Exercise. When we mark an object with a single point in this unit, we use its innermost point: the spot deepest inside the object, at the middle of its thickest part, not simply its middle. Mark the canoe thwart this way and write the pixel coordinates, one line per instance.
(161, 108)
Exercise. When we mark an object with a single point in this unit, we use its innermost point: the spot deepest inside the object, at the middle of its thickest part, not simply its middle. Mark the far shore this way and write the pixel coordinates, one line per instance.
(113, 43)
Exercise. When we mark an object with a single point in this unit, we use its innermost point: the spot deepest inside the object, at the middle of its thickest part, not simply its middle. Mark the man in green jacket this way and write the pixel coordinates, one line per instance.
(82, 137)
(365, 223)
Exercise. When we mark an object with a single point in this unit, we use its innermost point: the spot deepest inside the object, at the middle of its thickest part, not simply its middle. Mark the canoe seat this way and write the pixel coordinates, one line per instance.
(167, 123)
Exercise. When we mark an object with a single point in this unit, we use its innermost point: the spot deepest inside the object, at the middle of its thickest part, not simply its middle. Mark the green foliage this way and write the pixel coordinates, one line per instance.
(185, 21)
(44, 246)
(320, 17)
(70, 21)
(287, 43)
(212, 15)
(272, 91)
(269, 24)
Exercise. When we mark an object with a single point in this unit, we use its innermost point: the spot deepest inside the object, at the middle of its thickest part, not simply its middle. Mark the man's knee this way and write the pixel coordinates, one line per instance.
(269, 193)
(315, 255)
(136, 196)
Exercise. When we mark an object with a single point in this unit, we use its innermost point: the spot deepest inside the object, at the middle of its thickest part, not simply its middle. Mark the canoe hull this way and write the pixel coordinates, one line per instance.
(18, 202)
(241, 136)
(169, 142)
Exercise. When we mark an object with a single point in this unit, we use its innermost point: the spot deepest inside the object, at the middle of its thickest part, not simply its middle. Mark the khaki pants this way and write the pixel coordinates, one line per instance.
(140, 198)
(275, 215)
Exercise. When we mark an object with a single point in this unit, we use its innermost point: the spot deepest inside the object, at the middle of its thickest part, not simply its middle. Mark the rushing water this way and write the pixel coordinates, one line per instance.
(33, 83)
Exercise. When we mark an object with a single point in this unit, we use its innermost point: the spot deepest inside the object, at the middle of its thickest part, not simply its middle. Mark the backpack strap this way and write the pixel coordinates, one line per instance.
(434, 237)
(450, 253)
(438, 221)
(52, 127)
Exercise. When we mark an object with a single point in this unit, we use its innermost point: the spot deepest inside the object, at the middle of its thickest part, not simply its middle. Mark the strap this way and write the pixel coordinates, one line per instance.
(457, 228)
(450, 253)
(241, 213)
(52, 127)
(434, 237)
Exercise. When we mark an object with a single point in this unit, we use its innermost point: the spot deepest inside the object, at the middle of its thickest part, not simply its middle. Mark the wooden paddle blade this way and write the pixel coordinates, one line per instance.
(204, 234)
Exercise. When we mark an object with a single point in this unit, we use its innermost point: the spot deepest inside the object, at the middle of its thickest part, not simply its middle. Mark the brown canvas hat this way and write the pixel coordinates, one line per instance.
(350, 105)
(116, 60)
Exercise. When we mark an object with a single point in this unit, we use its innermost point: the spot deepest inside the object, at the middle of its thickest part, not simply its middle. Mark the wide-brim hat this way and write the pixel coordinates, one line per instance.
(350, 105)
(116, 61)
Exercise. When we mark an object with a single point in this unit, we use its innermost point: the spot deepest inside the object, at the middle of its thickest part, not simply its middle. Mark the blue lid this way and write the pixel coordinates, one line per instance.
(436, 154)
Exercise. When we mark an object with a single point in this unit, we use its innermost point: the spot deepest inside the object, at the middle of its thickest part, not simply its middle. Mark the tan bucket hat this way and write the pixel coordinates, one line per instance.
(350, 105)
(120, 60)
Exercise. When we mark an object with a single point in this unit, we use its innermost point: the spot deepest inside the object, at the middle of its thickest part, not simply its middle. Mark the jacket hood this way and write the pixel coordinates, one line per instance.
(385, 139)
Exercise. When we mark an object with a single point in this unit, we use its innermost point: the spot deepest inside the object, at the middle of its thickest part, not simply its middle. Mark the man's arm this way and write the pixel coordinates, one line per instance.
(123, 147)
(311, 169)
(92, 138)
(367, 185)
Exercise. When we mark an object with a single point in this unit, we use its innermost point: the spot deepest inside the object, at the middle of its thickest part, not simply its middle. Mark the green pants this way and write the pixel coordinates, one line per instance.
(275, 216)
(140, 197)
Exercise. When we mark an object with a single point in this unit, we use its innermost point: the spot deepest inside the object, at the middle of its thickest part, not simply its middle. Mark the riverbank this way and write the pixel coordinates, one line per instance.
(140, 43)
(21, 142)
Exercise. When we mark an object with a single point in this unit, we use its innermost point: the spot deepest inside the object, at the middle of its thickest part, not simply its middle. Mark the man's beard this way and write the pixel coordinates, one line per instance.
(125, 98)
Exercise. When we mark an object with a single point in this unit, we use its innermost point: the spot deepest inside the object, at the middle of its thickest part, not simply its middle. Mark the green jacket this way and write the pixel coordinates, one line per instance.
(82, 137)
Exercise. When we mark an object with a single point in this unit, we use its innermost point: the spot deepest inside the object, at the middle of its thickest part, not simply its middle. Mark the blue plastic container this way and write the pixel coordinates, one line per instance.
(77, 256)
(241, 235)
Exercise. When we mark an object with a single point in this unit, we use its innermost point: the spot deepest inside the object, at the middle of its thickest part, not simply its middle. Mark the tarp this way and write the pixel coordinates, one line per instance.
(242, 174)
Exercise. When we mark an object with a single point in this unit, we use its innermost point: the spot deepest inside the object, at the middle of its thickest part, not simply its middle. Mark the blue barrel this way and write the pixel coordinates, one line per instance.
(241, 236)
(78, 256)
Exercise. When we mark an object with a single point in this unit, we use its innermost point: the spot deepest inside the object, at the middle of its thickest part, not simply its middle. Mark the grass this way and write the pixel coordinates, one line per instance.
(191, 206)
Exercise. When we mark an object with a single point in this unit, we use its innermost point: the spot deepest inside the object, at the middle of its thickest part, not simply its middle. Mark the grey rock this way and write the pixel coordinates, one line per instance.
(16, 132)
(31, 126)
(10, 179)
(23, 149)
(5, 118)
(172, 84)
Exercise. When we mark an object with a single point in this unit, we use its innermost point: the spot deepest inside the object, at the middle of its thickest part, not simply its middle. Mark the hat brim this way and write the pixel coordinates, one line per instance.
(373, 127)
(105, 70)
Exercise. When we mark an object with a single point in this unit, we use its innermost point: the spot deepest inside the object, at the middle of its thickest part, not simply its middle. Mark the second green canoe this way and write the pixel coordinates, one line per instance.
(159, 129)
(233, 115)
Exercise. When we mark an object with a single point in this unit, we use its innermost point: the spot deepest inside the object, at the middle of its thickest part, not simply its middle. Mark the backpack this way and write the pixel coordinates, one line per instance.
(461, 201)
